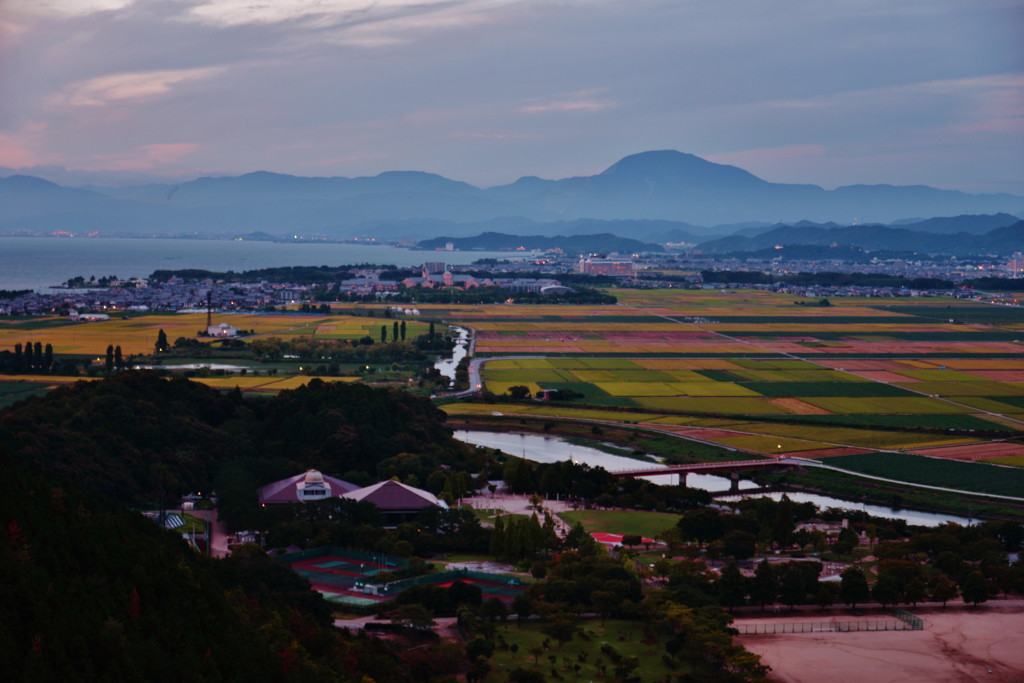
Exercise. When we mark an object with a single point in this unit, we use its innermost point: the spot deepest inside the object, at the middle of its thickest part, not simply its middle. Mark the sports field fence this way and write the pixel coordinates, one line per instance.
(904, 621)
(822, 627)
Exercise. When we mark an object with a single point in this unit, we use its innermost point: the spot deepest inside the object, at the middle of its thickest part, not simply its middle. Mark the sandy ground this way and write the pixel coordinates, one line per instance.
(986, 644)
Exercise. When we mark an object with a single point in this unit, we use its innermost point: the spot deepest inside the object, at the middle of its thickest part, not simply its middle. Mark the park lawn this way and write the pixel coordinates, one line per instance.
(647, 524)
(624, 636)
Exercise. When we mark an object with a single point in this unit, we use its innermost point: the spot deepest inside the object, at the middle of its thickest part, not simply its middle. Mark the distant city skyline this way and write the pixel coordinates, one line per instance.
(927, 92)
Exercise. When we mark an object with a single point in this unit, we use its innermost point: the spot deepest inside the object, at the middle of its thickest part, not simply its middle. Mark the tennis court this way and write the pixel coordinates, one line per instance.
(346, 577)
(345, 567)
(505, 591)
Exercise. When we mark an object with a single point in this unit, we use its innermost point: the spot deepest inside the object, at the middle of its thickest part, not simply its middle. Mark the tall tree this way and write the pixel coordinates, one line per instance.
(48, 357)
(605, 602)
(792, 587)
(732, 587)
(37, 361)
(562, 628)
(975, 588)
(401, 330)
(18, 362)
(782, 529)
(765, 585)
(886, 590)
(161, 342)
(110, 358)
(853, 587)
(497, 546)
(916, 591)
(522, 606)
(383, 333)
(394, 331)
(825, 597)
(550, 533)
(430, 336)
(944, 589)
(118, 358)
(28, 355)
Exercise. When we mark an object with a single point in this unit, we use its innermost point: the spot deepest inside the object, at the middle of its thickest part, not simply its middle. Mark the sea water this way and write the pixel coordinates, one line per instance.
(39, 263)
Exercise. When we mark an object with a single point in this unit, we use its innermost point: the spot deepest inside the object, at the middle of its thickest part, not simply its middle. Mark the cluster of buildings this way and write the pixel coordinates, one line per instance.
(141, 296)
(177, 295)
(613, 265)
(432, 278)
(398, 502)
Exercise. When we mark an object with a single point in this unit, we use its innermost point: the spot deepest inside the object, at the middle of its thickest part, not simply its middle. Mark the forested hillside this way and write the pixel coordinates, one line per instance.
(90, 590)
(132, 435)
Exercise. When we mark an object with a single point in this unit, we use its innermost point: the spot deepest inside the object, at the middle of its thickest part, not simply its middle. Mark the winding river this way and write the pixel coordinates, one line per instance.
(447, 365)
(553, 449)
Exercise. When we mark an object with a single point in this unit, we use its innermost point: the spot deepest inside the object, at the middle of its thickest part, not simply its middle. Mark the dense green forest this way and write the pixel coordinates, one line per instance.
(132, 435)
(93, 591)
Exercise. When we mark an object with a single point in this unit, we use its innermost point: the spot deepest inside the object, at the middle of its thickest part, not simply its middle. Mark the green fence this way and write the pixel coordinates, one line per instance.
(327, 579)
(399, 563)
(915, 623)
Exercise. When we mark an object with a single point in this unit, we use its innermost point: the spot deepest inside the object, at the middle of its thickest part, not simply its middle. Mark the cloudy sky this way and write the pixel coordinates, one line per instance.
(830, 92)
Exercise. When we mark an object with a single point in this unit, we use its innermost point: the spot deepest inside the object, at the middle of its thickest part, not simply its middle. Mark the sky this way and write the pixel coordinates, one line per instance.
(829, 92)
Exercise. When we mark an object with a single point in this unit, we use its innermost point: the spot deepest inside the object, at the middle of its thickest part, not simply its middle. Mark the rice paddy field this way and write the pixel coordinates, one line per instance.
(137, 334)
(933, 380)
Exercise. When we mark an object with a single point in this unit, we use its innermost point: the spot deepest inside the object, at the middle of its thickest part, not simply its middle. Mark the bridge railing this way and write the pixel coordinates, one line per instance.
(699, 466)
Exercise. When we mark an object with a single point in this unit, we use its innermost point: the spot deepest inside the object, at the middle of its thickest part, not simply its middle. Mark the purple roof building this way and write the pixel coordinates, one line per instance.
(311, 485)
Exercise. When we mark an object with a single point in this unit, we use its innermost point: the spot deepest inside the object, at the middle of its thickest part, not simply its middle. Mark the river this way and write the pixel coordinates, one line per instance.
(554, 449)
(447, 365)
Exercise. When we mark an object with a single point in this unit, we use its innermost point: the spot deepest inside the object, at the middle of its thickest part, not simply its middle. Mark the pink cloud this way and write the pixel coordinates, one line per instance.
(147, 157)
(14, 156)
(566, 105)
(127, 86)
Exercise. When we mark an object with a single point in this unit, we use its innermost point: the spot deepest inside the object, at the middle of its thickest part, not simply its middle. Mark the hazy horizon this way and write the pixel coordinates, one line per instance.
(831, 94)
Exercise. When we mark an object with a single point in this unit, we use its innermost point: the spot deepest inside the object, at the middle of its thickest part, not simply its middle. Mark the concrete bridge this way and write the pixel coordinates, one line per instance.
(733, 468)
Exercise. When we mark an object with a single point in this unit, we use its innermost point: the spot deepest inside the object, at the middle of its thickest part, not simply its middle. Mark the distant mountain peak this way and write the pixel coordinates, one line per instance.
(671, 166)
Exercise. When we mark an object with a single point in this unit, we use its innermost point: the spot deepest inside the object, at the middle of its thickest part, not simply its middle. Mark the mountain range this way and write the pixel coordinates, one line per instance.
(658, 194)
(921, 237)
